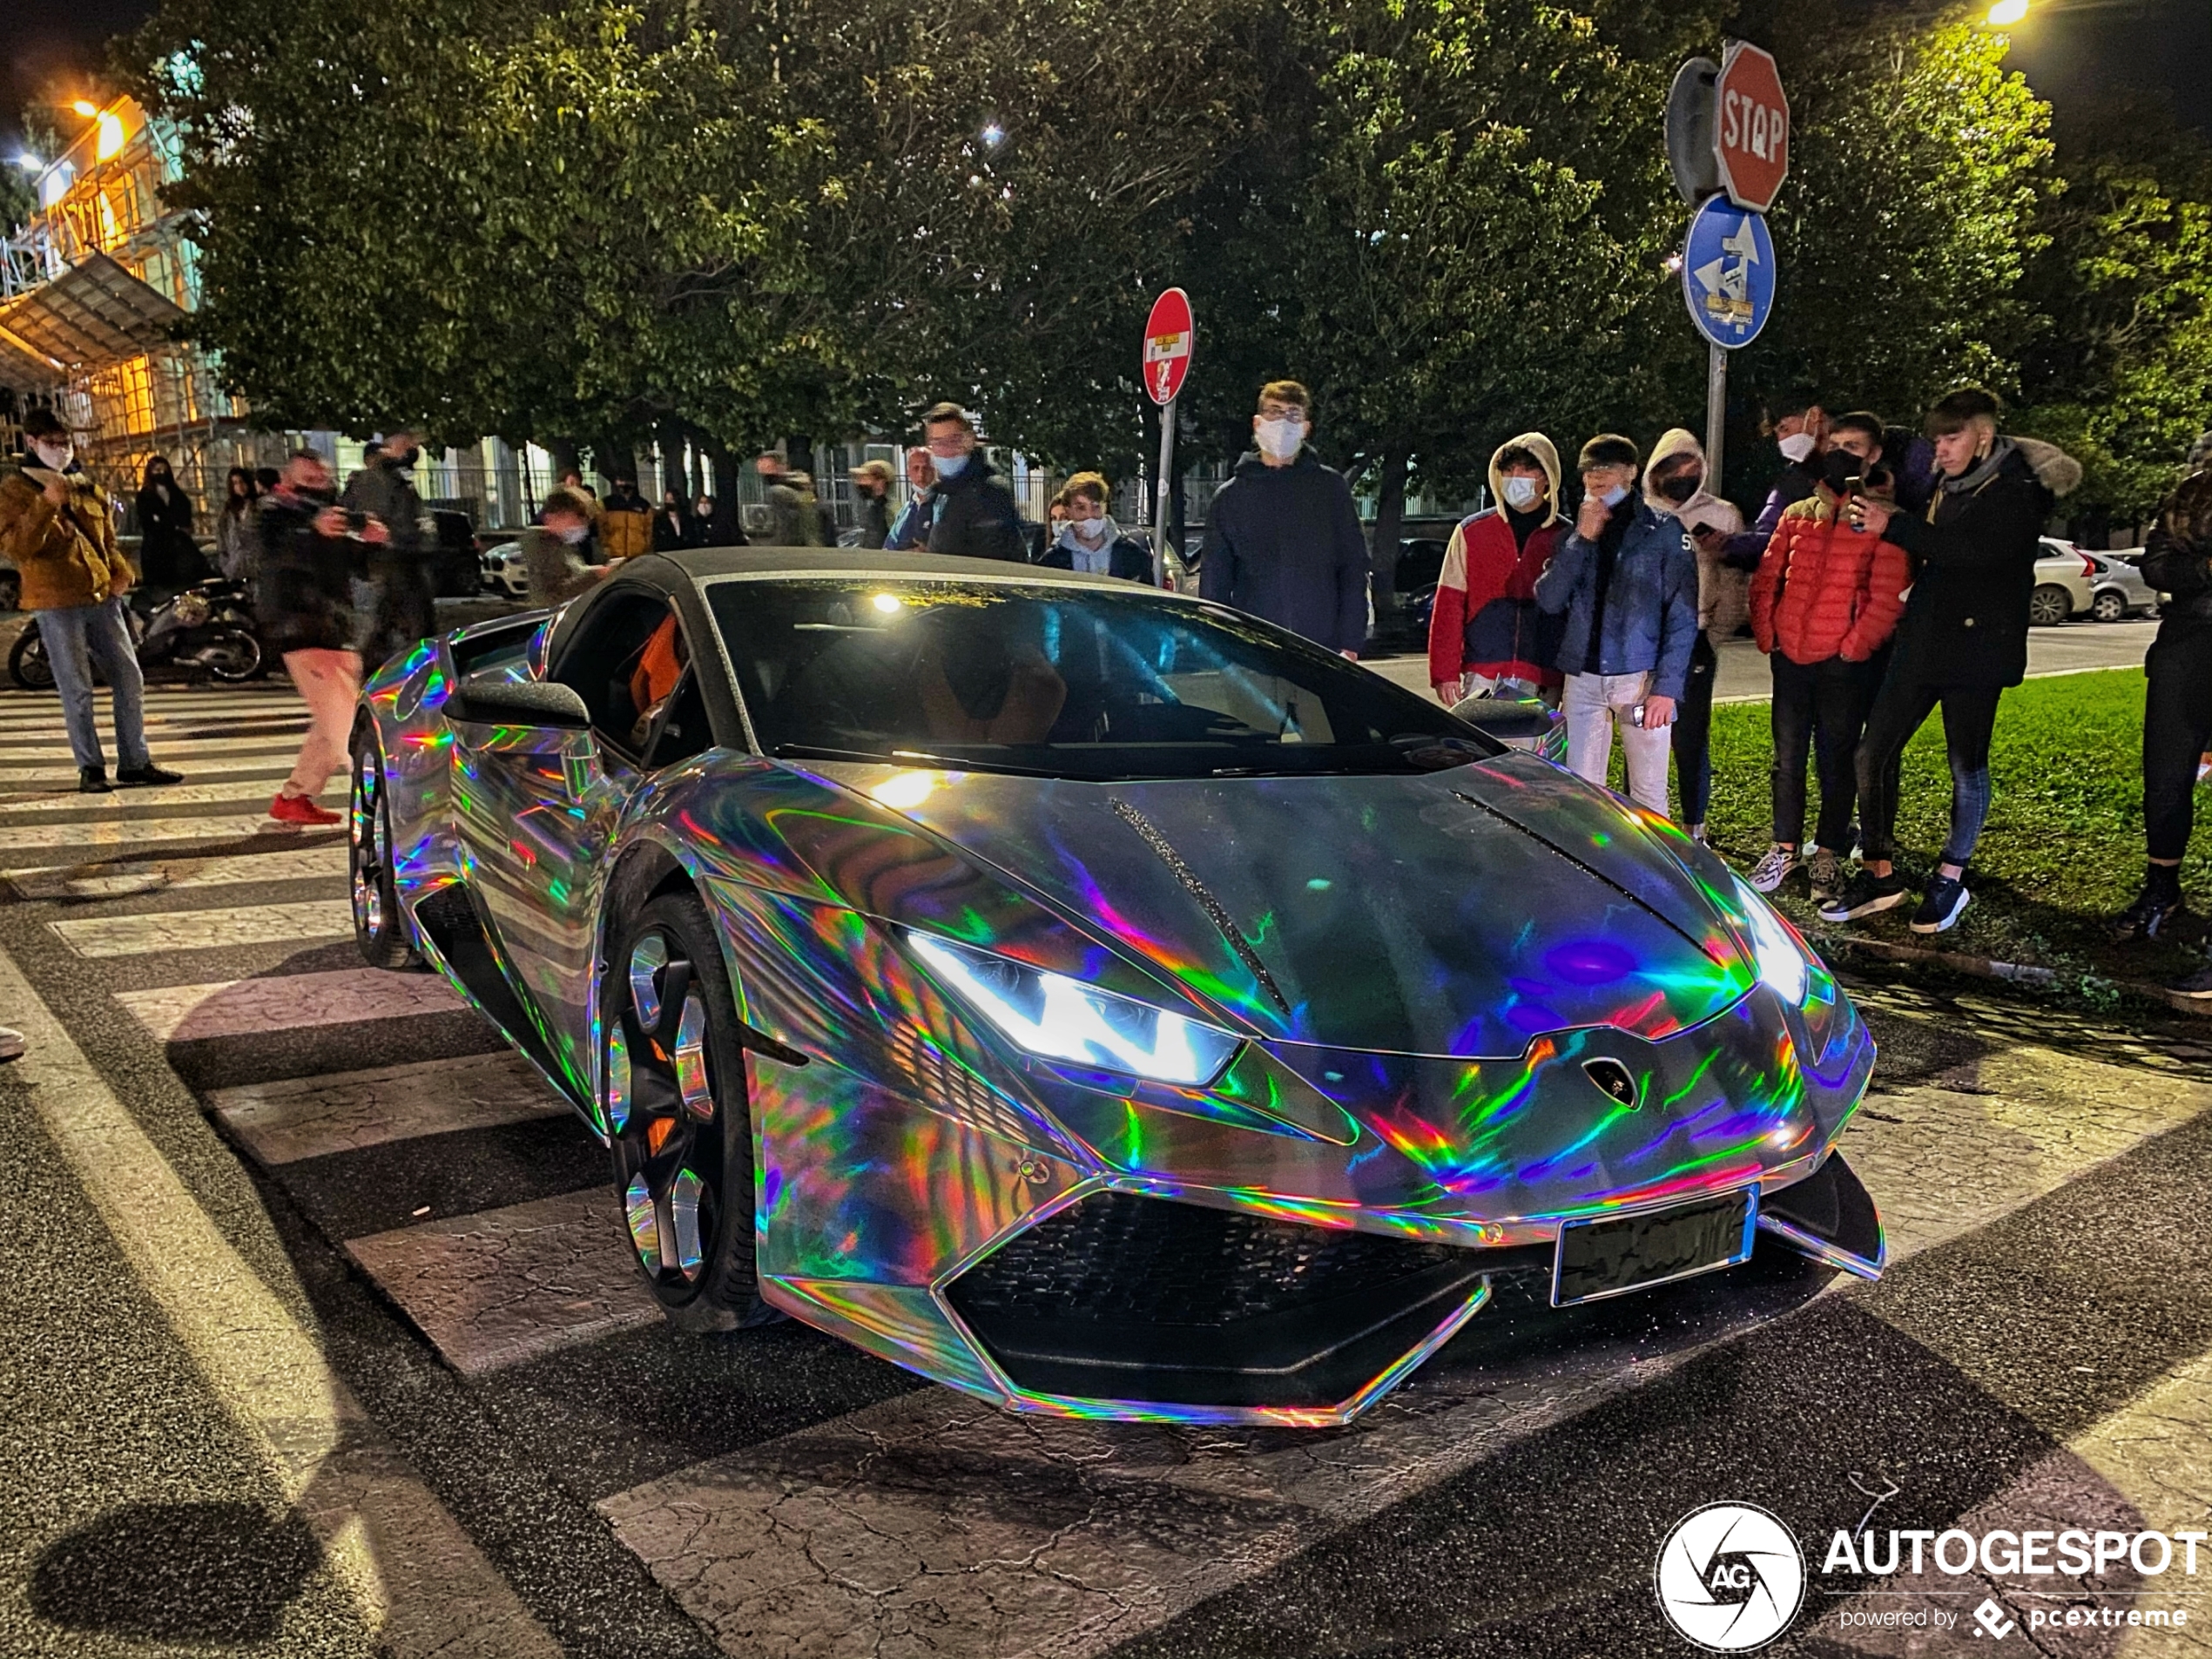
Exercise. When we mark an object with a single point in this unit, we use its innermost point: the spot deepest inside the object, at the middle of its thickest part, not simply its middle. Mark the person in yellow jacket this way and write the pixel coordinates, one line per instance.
(57, 530)
(625, 526)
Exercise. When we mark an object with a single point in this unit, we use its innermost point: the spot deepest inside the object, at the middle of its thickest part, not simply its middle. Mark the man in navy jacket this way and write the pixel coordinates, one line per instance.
(1282, 538)
(1627, 581)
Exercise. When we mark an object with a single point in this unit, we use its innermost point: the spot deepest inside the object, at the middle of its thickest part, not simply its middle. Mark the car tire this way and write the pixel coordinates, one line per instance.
(678, 1119)
(28, 665)
(2109, 606)
(379, 929)
(2049, 606)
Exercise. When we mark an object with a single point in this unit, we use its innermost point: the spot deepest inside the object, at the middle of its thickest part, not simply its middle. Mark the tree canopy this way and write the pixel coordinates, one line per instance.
(549, 219)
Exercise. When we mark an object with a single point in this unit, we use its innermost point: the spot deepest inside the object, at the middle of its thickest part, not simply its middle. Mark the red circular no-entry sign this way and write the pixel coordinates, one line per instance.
(1167, 338)
(1751, 126)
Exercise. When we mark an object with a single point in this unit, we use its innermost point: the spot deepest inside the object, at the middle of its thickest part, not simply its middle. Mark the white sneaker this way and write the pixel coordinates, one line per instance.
(11, 1043)
(1773, 870)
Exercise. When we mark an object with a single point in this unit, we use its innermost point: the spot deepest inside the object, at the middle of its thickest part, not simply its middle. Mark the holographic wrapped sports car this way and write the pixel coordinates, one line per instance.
(1090, 997)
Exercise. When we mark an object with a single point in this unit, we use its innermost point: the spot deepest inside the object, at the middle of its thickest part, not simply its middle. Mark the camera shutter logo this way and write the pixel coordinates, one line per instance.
(1730, 1577)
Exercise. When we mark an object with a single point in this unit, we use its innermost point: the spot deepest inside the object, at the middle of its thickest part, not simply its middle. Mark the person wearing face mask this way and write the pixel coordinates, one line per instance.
(1674, 483)
(1962, 640)
(1283, 538)
(1825, 604)
(306, 612)
(55, 530)
(383, 491)
(1626, 580)
(973, 515)
(1090, 540)
(167, 552)
(871, 502)
(1486, 626)
(556, 552)
(1801, 434)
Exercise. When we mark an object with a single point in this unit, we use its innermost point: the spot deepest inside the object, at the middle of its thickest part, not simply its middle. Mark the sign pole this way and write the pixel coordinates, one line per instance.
(1715, 411)
(1162, 571)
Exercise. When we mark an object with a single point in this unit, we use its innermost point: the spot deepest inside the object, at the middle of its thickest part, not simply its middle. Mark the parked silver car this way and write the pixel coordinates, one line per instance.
(2063, 578)
(2119, 589)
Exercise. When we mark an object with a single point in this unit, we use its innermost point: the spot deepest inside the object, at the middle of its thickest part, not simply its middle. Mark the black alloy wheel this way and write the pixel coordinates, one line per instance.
(378, 929)
(27, 663)
(678, 1117)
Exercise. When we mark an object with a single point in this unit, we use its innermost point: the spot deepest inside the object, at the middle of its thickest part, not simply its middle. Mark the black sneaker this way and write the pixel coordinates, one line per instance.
(2149, 916)
(92, 780)
(1864, 894)
(2197, 984)
(140, 777)
(1943, 903)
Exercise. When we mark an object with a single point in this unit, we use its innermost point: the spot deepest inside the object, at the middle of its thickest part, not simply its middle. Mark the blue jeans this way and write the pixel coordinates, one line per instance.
(77, 638)
(1969, 718)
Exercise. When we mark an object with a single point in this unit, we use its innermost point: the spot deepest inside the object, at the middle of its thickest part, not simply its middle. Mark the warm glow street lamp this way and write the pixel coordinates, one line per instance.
(2006, 13)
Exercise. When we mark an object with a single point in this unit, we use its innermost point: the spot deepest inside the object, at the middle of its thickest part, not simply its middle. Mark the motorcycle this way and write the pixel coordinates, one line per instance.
(208, 628)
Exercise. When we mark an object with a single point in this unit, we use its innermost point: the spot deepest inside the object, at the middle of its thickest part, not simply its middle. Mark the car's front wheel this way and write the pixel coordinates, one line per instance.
(2049, 606)
(378, 927)
(676, 1114)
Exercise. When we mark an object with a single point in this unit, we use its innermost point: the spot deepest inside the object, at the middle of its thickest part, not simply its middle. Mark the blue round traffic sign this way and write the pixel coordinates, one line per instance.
(1728, 272)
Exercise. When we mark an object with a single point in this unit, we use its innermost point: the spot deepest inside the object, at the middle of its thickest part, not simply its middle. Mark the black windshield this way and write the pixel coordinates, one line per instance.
(1069, 682)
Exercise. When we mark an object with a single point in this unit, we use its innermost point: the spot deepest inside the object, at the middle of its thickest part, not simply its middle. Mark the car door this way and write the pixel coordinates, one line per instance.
(536, 810)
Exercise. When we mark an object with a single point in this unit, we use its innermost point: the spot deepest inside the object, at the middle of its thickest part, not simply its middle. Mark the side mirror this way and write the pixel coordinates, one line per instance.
(546, 705)
(1519, 723)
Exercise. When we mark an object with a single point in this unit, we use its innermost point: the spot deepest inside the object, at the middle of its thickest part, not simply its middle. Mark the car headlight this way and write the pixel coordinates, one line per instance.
(1058, 1018)
(1783, 965)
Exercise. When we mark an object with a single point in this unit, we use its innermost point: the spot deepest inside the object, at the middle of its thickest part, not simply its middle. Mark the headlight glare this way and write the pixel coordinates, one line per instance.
(1782, 962)
(1057, 1018)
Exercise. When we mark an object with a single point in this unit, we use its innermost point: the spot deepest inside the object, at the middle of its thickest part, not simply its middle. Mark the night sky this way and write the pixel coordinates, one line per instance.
(2074, 52)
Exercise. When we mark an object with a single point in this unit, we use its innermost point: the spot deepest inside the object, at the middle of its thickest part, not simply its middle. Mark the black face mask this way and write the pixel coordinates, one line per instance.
(1839, 466)
(1679, 490)
(404, 459)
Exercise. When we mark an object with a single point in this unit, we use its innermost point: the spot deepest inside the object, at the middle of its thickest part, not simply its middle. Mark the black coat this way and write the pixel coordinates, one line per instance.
(2177, 560)
(1283, 542)
(1965, 622)
(168, 556)
(303, 594)
(1126, 557)
(976, 516)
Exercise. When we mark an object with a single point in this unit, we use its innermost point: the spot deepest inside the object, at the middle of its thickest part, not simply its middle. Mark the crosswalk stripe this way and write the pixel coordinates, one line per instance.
(116, 881)
(725, 1537)
(285, 1002)
(272, 924)
(167, 745)
(57, 840)
(306, 1117)
(273, 763)
(503, 1285)
(184, 794)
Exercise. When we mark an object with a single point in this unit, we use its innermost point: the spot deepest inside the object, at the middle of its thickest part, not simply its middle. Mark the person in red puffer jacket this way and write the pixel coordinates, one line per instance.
(1824, 602)
(1486, 626)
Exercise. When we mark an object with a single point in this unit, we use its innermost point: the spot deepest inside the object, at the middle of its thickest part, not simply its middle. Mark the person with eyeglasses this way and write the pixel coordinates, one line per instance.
(1283, 538)
(975, 516)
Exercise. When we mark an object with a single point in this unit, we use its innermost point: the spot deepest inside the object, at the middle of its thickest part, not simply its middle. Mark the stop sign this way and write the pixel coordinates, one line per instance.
(1751, 126)
(1167, 345)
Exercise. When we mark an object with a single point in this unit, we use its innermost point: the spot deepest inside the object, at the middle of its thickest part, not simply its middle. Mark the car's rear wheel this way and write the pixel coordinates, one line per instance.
(677, 1115)
(378, 929)
(2109, 606)
(27, 663)
(2049, 606)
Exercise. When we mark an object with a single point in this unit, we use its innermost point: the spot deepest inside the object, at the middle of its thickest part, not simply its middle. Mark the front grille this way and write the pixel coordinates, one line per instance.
(1129, 1297)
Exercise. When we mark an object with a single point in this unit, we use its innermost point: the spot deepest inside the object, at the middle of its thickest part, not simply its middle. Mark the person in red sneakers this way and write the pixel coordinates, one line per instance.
(306, 615)
(1486, 626)
(1823, 604)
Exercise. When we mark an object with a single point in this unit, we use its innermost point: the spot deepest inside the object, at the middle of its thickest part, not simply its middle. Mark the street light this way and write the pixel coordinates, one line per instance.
(85, 107)
(2006, 13)
(28, 162)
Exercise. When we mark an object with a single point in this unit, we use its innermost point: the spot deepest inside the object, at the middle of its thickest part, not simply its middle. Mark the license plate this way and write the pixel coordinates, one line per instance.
(1599, 1258)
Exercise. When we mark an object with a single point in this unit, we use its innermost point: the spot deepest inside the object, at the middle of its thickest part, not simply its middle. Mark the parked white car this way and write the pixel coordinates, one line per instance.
(504, 571)
(2119, 589)
(2063, 579)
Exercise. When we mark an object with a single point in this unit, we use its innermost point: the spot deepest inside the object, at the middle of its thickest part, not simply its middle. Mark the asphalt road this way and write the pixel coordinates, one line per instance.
(318, 1336)
(2069, 648)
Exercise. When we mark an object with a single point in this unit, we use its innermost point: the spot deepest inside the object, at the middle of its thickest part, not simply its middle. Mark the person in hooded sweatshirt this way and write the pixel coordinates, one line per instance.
(1675, 484)
(1486, 627)
(1090, 541)
(1824, 606)
(1627, 581)
(1962, 641)
(1283, 538)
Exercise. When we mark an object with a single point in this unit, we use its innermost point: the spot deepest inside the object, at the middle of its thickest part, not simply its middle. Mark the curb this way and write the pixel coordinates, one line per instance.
(2016, 973)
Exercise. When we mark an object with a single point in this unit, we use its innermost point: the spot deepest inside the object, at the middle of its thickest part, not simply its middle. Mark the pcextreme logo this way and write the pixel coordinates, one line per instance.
(1730, 1577)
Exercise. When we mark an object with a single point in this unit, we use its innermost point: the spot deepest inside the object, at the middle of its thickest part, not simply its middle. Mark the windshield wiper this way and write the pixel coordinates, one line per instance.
(817, 751)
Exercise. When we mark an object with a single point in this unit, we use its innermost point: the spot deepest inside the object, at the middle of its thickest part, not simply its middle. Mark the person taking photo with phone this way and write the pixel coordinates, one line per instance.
(1675, 484)
(1626, 581)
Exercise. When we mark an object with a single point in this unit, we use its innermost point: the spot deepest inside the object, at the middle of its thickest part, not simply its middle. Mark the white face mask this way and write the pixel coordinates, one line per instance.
(1281, 439)
(575, 535)
(57, 455)
(1523, 493)
(1089, 528)
(1615, 496)
(950, 466)
(1795, 447)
